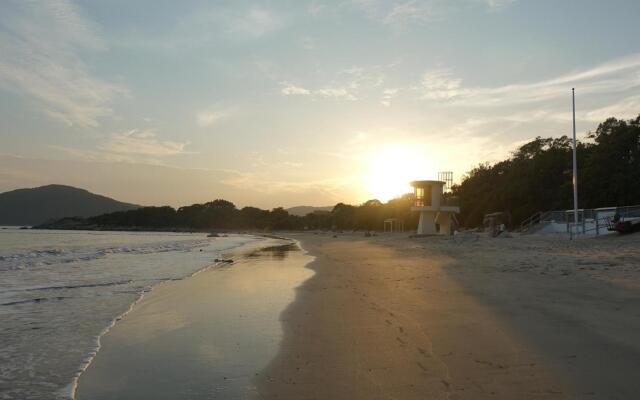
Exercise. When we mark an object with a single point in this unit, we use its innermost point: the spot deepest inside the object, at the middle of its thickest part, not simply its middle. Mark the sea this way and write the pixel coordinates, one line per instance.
(61, 291)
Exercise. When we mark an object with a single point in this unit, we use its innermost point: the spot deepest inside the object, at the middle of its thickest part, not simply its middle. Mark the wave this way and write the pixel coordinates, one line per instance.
(45, 257)
(35, 300)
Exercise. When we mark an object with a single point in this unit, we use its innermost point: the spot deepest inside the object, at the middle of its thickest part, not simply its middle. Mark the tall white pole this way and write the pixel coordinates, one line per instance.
(575, 163)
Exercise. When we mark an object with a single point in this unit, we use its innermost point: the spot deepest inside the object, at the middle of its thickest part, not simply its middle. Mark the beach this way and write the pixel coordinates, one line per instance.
(61, 291)
(390, 317)
(203, 337)
(469, 318)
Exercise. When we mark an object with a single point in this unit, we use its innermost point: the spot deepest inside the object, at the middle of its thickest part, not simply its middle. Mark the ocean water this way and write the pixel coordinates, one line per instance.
(60, 291)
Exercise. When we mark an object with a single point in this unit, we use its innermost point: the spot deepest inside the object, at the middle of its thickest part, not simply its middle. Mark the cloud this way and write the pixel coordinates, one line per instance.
(401, 13)
(626, 108)
(396, 13)
(358, 77)
(617, 75)
(346, 85)
(134, 146)
(329, 190)
(387, 96)
(254, 22)
(335, 92)
(409, 11)
(209, 117)
(495, 5)
(440, 84)
(289, 89)
(41, 43)
(142, 142)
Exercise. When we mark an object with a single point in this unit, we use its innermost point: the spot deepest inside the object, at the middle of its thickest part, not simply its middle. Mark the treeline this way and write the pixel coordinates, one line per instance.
(224, 215)
(538, 176)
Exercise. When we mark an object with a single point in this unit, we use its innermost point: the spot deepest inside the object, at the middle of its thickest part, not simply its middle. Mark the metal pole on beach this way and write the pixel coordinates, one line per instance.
(575, 163)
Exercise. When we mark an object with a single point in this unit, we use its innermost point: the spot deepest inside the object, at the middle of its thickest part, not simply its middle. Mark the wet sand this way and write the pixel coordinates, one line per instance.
(388, 317)
(470, 318)
(202, 337)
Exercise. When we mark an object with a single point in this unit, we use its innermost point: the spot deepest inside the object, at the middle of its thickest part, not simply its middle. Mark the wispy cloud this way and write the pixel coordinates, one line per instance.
(440, 84)
(400, 13)
(409, 11)
(41, 43)
(388, 95)
(290, 89)
(133, 146)
(253, 22)
(358, 77)
(495, 5)
(335, 92)
(396, 13)
(210, 116)
(347, 85)
(626, 108)
(617, 75)
(326, 189)
(142, 142)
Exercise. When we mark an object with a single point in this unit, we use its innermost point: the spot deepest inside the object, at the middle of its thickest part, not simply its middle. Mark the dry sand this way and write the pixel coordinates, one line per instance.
(462, 318)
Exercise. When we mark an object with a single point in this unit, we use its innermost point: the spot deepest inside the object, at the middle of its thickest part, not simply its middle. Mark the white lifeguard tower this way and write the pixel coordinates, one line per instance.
(435, 217)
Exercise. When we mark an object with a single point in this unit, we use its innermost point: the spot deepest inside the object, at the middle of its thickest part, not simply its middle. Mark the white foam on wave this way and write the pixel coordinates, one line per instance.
(123, 281)
(62, 256)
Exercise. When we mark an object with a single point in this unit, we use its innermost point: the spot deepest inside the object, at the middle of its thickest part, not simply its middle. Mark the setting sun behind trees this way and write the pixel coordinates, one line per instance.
(391, 168)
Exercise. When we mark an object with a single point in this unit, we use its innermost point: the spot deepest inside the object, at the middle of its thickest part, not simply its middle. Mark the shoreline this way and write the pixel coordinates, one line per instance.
(464, 318)
(69, 392)
(186, 290)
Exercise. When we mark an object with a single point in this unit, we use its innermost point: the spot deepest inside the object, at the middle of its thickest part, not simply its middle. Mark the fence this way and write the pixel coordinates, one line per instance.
(590, 221)
(598, 220)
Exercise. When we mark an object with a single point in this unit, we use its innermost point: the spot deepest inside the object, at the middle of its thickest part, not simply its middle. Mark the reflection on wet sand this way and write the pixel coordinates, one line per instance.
(279, 252)
(228, 331)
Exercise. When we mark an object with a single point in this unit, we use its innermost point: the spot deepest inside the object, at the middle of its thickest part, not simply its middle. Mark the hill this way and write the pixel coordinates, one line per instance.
(37, 205)
(301, 211)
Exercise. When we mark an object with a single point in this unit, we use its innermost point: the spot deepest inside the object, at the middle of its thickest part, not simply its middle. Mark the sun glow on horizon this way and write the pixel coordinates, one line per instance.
(392, 168)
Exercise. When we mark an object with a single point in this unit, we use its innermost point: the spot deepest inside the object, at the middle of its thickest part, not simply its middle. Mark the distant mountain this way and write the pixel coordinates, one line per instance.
(301, 211)
(41, 204)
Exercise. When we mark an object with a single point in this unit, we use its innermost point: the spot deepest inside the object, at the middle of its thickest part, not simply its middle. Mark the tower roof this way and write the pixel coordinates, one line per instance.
(427, 183)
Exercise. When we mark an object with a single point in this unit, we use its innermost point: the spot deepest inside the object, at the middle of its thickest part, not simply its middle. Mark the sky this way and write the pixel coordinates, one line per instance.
(285, 103)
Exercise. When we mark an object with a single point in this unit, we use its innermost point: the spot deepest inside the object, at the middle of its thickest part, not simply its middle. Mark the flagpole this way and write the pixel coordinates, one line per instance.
(575, 163)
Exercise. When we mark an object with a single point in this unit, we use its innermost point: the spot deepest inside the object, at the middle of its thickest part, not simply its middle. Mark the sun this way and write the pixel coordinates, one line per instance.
(391, 168)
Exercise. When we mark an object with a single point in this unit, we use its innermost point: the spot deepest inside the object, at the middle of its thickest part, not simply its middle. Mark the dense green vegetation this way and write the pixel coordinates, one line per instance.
(537, 177)
(222, 215)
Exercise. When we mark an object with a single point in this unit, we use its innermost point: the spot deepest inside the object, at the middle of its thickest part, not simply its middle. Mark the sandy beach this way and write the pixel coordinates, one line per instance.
(464, 318)
(390, 317)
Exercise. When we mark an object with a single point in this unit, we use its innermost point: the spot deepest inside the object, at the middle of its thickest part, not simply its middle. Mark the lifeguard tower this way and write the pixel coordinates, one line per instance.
(435, 217)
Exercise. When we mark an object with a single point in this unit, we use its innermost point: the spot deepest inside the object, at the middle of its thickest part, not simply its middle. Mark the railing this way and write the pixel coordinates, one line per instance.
(589, 220)
(529, 222)
(599, 223)
(535, 219)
